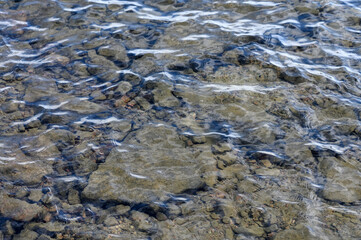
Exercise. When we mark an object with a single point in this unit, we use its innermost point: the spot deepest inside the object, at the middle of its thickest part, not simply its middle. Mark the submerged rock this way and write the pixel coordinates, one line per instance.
(343, 180)
(11, 106)
(82, 106)
(143, 222)
(299, 232)
(40, 87)
(116, 53)
(161, 165)
(17, 209)
(24, 169)
(26, 234)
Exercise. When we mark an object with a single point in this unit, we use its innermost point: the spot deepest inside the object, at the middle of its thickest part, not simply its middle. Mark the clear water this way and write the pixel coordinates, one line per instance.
(180, 119)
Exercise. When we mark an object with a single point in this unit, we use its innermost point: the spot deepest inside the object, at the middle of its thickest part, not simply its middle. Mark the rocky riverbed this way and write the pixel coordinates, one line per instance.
(180, 119)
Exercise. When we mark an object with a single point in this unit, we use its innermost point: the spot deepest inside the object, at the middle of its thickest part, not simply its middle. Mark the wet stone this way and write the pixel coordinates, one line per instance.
(80, 69)
(10, 106)
(43, 142)
(122, 209)
(73, 197)
(35, 195)
(268, 172)
(143, 222)
(8, 77)
(30, 172)
(298, 232)
(253, 230)
(115, 53)
(144, 66)
(342, 180)
(44, 237)
(272, 228)
(22, 192)
(82, 106)
(56, 58)
(101, 62)
(198, 139)
(110, 221)
(266, 163)
(49, 226)
(229, 233)
(48, 118)
(234, 171)
(124, 87)
(248, 186)
(114, 7)
(228, 158)
(33, 124)
(221, 148)
(173, 209)
(36, 88)
(26, 234)
(143, 103)
(133, 79)
(161, 216)
(9, 228)
(122, 178)
(97, 95)
(17, 209)
(293, 76)
(231, 111)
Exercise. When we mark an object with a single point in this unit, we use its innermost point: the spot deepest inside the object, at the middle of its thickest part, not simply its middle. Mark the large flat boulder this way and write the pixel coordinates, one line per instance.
(151, 164)
(343, 180)
(17, 209)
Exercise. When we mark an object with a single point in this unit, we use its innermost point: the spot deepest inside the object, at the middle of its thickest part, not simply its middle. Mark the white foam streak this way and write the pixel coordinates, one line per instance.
(109, 26)
(176, 17)
(244, 27)
(152, 51)
(137, 176)
(77, 9)
(28, 121)
(26, 163)
(341, 53)
(335, 148)
(268, 153)
(53, 107)
(261, 4)
(116, 2)
(231, 88)
(5, 88)
(98, 121)
(194, 37)
(7, 158)
(12, 23)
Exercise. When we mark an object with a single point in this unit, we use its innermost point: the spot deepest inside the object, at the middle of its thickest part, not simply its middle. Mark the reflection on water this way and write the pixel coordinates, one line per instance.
(180, 119)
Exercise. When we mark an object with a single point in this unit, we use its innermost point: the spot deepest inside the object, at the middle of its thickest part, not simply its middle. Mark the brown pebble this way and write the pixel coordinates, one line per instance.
(47, 217)
(266, 163)
(122, 102)
(132, 103)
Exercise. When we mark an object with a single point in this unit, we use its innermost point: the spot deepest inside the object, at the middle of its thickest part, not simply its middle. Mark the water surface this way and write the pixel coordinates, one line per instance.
(180, 119)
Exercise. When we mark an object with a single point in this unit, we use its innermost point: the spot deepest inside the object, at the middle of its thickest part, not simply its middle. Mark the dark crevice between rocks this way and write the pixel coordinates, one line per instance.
(9, 227)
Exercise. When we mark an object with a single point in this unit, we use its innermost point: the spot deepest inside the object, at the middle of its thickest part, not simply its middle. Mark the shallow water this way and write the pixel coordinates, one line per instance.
(180, 119)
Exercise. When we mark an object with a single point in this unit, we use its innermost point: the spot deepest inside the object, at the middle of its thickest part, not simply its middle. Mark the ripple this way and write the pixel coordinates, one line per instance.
(29, 120)
(151, 51)
(244, 27)
(98, 121)
(231, 88)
